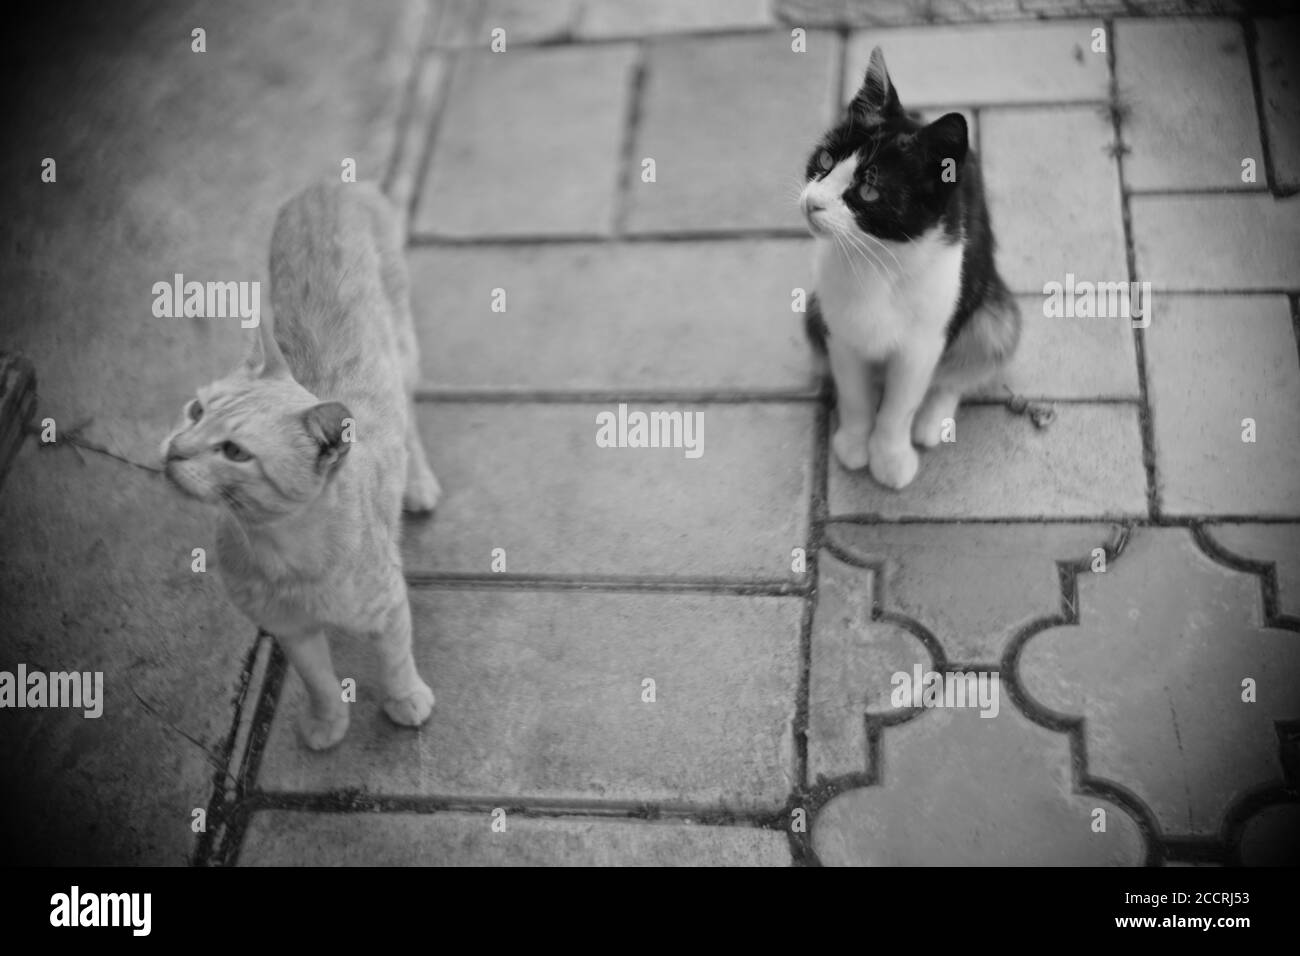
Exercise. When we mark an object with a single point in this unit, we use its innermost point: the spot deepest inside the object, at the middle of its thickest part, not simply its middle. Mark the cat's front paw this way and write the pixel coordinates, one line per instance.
(413, 709)
(893, 464)
(422, 491)
(850, 448)
(321, 733)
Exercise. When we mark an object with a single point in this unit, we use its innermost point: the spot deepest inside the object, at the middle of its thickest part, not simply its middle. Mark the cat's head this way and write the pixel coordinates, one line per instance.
(879, 171)
(256, 441)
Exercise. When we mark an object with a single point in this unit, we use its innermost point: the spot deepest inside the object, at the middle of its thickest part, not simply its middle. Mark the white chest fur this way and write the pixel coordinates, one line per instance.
(878, 307)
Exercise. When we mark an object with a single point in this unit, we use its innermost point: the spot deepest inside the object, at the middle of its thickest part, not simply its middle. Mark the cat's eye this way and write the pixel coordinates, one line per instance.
(234, 452)
(194, 411)
(825, 160)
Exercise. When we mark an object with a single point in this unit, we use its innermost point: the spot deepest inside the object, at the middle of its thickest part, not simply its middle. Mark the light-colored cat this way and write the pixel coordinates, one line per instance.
(312, 450)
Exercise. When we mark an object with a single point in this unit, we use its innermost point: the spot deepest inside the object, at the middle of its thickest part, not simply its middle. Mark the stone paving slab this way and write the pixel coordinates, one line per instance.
(106, 585)
(530, 479)
(539, 696)
(959, 789)
(524, 21)
(1272, 837)
(627, 18)
(1056, 208)
(1155, 665)
(853, 658)
(1191, 104)
(281, 838)
(734, 158)
(1086, 464)
(629, 316)
(1276, 544)
(168, 161)
(852, 13)
(1217, 243)
(530, 143)
(1068, 358)
(1212, 362)
(1279, 86)
(555, 21)
(972, 586)
(986, 64)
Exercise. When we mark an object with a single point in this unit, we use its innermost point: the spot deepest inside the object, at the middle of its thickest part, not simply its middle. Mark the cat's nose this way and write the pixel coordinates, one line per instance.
(812, 205)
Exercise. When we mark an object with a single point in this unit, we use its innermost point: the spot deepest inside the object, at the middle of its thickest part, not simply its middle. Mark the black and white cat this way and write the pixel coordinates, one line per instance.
(907, 300)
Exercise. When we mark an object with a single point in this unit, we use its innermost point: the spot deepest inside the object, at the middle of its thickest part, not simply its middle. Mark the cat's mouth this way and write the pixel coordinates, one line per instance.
(816, 228)
(184, 483)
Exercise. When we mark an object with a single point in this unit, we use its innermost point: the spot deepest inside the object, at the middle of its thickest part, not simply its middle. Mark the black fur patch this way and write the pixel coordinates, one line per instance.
(814, 326)
(900, 191)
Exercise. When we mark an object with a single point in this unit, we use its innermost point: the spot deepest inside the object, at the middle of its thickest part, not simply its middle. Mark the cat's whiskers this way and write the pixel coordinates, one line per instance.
(839, 238)
(881, 245)
(235, 511)
(869, 256)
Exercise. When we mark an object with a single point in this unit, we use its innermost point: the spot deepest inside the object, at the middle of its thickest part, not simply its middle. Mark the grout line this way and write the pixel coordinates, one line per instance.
(405, 178)
(455, 580)
(1146, 420)
(1245, 189)
(235, 748)
(628, 166)
(841, 72)
(1238, 291)
(232, 837)
(1251, 36)
(801, 844)
(703, 397)
(605, 396)
(252, 692)
(1140, 521)
(953, 106)
(1294, 301)
(395, 182)
(577, 39)
(441, 77)
(427, 240)
(360, 802)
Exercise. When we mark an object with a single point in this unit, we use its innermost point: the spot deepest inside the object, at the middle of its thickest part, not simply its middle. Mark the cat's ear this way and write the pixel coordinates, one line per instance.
(877, 98)
(265, 360)
(329, 425)
(946, 139)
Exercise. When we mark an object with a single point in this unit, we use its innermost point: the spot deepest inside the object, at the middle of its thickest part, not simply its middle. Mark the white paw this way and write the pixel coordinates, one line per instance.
(422, 490)
(321, 733)
(927, 430)
(850, 448)
(894, 465)
(413, 709)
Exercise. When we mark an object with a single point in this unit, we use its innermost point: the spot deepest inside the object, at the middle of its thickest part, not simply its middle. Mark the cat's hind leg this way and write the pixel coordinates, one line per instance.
(939, 407)
(981, 350)
(325, 721)
(422, 489)
(407, 698)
